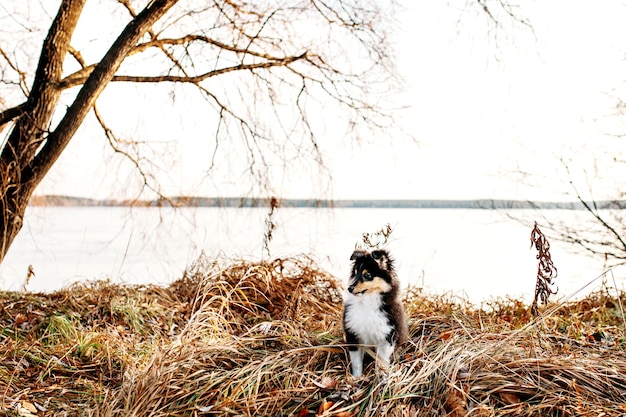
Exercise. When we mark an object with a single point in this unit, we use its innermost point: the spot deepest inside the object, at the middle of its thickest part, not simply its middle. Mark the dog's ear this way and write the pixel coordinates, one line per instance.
(382, 258)
(357, 254)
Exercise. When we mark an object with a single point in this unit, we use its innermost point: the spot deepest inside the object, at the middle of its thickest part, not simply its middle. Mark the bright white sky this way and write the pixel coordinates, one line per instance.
(484, 103)
(480, 118)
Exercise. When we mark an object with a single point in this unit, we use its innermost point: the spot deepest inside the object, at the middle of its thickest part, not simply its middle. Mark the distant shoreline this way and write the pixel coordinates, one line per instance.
(244, 202)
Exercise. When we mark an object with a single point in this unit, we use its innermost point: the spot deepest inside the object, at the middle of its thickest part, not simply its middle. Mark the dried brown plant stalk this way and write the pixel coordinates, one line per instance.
(270, 225)
(546, 271)
(377, 239)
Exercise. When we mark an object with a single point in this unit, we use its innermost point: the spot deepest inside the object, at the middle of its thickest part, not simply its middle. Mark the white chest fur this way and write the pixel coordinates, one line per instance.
(365, 318)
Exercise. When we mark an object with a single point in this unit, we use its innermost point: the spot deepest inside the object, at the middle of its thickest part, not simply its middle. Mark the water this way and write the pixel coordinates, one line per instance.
(478, 254)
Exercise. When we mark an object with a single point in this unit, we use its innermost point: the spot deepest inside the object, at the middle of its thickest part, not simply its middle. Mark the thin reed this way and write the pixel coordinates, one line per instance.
(238, 338)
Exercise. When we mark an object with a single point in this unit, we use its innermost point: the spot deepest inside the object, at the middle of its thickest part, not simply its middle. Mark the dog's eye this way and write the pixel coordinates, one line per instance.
(367, 276)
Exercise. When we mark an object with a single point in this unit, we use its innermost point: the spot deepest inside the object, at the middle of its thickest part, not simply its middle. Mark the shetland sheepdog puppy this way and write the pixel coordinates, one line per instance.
(373, 314)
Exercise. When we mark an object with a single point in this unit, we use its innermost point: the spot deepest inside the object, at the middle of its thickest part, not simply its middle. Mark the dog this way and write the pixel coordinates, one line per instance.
(373, 313)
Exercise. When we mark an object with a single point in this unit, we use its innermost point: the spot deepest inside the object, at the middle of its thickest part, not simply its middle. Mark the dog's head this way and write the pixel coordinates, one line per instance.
(372, 272)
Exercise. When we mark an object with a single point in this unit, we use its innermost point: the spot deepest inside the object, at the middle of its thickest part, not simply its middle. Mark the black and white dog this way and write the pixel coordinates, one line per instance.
(373, 313)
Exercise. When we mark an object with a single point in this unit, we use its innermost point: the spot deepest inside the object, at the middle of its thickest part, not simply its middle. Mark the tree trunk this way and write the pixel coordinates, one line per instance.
(32, 149)
(33, 123)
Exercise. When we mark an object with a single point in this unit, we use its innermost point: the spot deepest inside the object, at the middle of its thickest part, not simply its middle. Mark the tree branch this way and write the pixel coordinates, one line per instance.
(153, 36)
(13, 113)
(113, 141)
(97, 81)
(21, 74)
(75, 79)
(594, 212)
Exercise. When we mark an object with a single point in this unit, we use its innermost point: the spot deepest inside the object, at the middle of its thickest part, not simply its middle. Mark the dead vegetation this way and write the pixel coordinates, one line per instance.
(546, 271)
(264, 339)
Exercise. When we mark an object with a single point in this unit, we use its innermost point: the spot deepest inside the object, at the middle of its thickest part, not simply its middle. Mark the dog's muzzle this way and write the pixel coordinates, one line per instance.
(351, 290)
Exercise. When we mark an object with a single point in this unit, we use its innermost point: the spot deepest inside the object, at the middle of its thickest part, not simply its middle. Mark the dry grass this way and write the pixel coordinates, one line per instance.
(264, 339)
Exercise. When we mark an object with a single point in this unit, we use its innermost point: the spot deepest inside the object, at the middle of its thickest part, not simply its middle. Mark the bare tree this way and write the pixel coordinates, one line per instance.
(290, 56)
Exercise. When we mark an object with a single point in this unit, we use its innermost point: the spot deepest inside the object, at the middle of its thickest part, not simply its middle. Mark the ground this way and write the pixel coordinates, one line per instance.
(265, 339)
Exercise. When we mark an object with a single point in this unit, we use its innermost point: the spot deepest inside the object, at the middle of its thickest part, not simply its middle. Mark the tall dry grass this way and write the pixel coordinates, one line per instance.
(264, 339)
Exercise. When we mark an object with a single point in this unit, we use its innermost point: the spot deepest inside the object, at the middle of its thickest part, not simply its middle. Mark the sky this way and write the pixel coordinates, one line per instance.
(485, 108)
(487, 105)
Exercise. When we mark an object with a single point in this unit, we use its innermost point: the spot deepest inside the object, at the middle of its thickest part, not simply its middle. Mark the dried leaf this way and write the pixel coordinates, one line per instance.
(26, 409)
(510, 398)
(455, 403)
(20, 318)
(446, 335)
(303, 412)
(29, 406)
(324, 406)
(326, 383)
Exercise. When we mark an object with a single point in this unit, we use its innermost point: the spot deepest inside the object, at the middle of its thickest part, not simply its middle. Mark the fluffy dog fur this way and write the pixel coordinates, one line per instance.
(373, 313)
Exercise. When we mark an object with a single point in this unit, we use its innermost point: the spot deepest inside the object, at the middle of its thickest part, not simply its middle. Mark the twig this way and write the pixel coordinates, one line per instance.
(376, 239)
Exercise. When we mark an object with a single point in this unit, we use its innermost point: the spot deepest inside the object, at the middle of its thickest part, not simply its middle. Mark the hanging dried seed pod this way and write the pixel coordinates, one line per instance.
(546, 271)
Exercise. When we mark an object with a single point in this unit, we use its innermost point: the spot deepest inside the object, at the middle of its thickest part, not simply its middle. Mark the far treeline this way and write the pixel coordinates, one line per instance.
(245, 202)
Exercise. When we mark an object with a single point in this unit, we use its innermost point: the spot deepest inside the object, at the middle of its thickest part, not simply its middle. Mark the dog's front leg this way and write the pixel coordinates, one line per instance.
(356, 361)
(383, 354)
